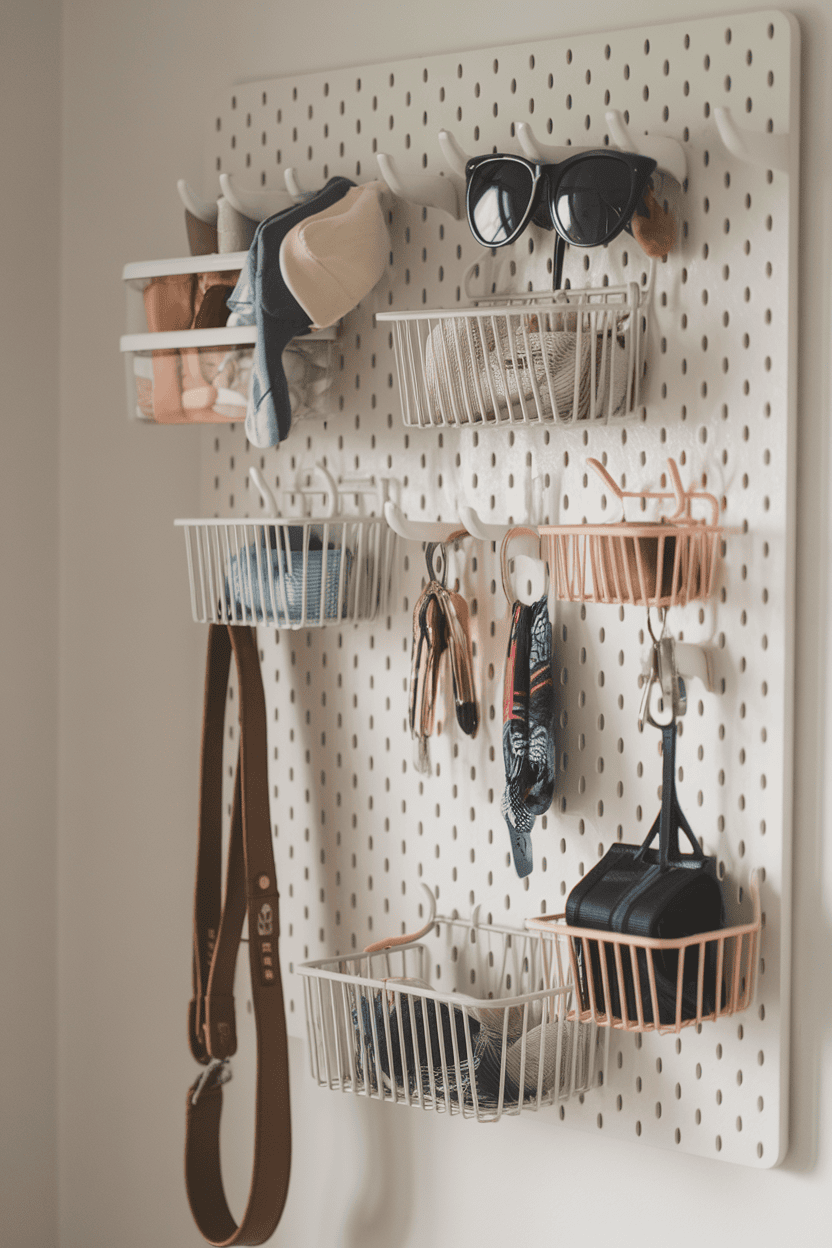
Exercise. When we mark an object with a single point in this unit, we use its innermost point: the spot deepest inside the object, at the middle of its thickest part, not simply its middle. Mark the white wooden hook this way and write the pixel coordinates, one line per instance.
(256, 205)
(454, 155)
(476, 527)
(431, 190)
(204, 210)
(439, 531)
(416, 530)
(668, 153)
(767, 151)
(535, 150)
(269, 501)
(290, 177)
(695, 663)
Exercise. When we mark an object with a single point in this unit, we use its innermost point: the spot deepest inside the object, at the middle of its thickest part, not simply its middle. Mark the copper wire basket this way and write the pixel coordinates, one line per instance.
(663, 563)
(627, 967)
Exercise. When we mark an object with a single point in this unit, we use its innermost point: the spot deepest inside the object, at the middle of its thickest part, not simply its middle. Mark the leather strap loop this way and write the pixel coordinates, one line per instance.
(250, 889)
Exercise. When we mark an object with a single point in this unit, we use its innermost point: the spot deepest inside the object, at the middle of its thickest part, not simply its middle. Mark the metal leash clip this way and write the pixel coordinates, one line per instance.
(664, 673)
(217, 1071)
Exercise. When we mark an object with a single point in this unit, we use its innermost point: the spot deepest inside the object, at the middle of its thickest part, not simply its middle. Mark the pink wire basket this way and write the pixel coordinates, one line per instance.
(663, 563)
(616, 974)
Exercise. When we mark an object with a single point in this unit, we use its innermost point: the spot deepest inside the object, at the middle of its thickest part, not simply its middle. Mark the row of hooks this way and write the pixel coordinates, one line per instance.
(447, 192)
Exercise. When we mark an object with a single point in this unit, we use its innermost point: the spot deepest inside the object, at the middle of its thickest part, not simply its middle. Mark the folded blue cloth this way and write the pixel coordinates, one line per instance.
(274, 568)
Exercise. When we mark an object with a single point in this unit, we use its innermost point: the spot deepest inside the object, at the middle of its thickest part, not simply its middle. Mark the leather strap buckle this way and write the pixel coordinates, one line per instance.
(217, 1072)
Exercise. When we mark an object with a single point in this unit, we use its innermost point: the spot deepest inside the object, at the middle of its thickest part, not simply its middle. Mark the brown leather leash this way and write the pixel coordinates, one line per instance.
(250, 889)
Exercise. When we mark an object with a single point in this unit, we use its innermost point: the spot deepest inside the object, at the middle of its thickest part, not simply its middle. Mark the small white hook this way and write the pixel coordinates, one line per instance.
(294, 188)
(429, 190)
(265, 493)
(204, 210)
(456, 158)
(256, 205)
(541, 151)
(767, 151)
(483, 532)
(416, 530)
(668, 153)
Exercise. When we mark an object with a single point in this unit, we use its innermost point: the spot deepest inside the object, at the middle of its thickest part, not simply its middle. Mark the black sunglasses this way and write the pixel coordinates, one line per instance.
(588, 198)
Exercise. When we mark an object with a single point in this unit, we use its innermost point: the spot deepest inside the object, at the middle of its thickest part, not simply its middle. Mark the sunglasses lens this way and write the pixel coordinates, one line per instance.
(592, 200)
(499, 193)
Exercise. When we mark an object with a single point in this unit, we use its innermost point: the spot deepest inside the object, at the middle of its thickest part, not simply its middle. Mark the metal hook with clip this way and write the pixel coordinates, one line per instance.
(664, 671)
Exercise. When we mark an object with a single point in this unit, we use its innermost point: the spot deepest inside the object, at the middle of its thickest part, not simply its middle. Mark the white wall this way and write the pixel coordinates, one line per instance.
(29, 255)
(137, 83)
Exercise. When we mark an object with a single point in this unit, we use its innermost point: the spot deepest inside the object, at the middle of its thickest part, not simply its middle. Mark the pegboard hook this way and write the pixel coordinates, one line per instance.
(668, 153)
(256, 205)
(456, 158)
(766, 151)
(269, 501)
(392, 942)
(416, 530)
(535, 150)
(204, 210)
(426, 189)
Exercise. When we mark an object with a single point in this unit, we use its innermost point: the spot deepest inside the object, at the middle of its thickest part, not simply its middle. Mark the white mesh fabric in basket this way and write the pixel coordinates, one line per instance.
(501, 359)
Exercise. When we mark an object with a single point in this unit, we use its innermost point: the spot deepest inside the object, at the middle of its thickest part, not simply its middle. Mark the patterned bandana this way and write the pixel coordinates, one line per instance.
(528, 727)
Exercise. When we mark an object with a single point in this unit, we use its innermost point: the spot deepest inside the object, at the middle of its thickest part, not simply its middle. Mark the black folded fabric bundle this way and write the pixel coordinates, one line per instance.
(661, 893)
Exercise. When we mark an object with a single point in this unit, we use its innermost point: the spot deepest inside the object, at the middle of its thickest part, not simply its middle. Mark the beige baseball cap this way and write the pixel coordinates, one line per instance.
(331, 260)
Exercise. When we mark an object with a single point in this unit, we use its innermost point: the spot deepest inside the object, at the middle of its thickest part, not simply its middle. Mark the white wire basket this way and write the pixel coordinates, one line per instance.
(203, 376)
(495, 1038)
(293, 571)
(576, 357)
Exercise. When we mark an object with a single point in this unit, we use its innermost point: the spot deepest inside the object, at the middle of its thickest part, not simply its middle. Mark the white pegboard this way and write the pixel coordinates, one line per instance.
(356, 826)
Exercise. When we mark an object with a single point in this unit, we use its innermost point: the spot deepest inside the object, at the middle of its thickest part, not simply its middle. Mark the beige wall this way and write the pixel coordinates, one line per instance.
(29, 263)
(137, 81)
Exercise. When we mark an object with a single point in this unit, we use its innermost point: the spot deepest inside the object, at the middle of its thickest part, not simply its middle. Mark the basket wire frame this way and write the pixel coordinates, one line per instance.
(736, 967)
(361, 1020)
(234, 580)
(665, 563)
(440, 386)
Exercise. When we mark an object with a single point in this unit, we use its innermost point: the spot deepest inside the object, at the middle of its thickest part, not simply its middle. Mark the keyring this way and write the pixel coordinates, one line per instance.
(520, 531)
(431, 550)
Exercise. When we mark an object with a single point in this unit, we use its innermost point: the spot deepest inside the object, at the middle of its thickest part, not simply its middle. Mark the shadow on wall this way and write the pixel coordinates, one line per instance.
(382, 1208)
